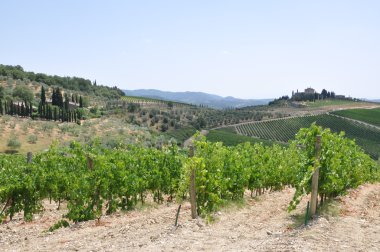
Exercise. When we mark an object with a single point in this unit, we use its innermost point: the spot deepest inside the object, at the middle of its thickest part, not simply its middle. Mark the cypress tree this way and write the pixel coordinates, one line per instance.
(22, 109)
(67, 102)
(80, 102)
(39, 110)
(30, 109)
(54, 98)
(59, 98)
(18, 108)
(43, 96)
(55, 114)
(43, 114)
(11, 111)
(48, 112)
(5, 107)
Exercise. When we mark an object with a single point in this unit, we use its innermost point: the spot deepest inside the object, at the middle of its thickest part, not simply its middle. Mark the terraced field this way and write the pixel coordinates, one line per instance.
(371, 116)
(283, 130)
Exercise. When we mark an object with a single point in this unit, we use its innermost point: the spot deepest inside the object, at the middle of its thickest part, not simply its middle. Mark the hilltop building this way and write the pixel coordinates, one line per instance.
(308, 95)
(310, 90)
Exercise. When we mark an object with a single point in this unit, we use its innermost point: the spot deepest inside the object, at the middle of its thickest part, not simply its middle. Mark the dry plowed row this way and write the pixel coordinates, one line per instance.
(262, 225)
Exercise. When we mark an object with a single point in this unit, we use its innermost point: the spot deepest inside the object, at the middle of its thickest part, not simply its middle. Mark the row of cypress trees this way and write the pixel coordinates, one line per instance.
(52, 112)
(57, 110)
(11, 108)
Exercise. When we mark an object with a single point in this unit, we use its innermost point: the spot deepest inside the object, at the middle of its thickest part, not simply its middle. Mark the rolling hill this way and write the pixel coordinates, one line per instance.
(198, 98)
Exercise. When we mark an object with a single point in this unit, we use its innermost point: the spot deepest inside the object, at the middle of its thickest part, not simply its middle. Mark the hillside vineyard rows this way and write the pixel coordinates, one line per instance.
(371, 116)
(93, 179)
(283, 130)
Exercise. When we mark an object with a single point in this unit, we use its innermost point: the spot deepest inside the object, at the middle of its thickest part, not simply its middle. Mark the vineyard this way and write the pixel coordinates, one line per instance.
(371, 116)
(94, 181)
(230, 138)
(283, 130)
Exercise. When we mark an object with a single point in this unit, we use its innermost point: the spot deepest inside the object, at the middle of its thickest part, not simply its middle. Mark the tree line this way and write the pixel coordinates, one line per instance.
(72, 83)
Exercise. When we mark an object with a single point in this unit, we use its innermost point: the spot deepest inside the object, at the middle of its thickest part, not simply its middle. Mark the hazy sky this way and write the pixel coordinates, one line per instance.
(247, 49)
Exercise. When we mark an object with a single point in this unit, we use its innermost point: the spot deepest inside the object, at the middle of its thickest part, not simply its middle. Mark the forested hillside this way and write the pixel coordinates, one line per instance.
(72, 83)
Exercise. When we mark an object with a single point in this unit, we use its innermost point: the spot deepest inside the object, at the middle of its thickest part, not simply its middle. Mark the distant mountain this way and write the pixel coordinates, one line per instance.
(198, 98)
(371, 100)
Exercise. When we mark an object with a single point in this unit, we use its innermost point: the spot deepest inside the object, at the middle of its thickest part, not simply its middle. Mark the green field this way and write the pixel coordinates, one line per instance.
(371, 116)
(335, 102)
(284, 130)
(182, 134)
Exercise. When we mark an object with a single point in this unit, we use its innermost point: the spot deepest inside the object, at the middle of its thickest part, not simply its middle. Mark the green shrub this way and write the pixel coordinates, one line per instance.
(32, 139)
(14, 142)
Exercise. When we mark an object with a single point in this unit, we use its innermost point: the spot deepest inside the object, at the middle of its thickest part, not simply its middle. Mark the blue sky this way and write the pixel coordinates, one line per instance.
(247, 49)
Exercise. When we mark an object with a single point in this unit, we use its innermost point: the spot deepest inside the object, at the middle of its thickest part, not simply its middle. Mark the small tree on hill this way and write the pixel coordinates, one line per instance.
(23, 93)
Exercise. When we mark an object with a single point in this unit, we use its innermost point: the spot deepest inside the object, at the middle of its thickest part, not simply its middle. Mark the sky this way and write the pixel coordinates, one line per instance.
(241, 48)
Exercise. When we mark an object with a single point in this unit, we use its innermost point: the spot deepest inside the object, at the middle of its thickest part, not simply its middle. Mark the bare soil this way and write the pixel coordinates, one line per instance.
(262, 224)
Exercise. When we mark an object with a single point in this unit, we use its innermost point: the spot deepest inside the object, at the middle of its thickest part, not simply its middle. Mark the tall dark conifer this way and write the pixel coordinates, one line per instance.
(54, 98)
(59, 98)
(55, 114)
(22, 109)
(18, 108)
(80, 102)
(43, 95)
(5, 107)
(30, 109)
(67, 102)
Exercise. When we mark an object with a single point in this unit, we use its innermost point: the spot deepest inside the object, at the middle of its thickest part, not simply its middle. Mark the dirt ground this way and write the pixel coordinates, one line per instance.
(262, 224)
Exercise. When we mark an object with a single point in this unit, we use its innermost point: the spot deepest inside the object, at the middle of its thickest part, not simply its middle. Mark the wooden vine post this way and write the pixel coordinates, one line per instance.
(29, 157)
(90, 163)
(315, 178)
(193, 198)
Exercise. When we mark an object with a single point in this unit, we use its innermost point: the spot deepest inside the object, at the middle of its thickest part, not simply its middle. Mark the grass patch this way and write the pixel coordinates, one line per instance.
(227, 206)
(298, 220)
(323, 103)
(182, 134)
(330, 208)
